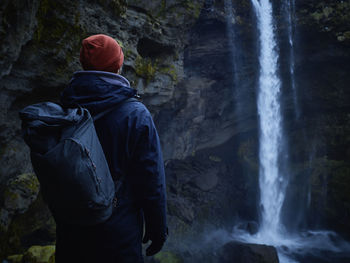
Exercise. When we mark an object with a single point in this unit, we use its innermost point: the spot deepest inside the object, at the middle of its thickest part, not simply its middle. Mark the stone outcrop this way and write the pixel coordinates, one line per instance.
(19, 194)
(35, 254)
(247, 253)
(167, 257)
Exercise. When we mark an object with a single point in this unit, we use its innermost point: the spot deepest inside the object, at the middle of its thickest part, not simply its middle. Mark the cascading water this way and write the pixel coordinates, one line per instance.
(271, 180)
(300, 206)
(238, 61)
(290, 6)
(273, 183)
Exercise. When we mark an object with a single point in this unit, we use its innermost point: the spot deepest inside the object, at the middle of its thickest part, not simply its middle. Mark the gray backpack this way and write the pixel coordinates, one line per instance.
(69, 162)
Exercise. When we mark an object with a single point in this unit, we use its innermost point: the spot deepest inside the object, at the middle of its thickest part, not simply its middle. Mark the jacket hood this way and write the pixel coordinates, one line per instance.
(96, 90)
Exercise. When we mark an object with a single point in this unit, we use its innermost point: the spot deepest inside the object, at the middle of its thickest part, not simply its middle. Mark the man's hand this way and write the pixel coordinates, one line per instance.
(156, 245)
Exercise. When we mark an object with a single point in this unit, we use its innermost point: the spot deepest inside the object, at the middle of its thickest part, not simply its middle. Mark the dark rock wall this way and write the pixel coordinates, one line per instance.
(202, 95)
(319, 141)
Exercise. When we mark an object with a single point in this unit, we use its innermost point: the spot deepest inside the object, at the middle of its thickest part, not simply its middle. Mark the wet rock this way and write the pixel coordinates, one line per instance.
(208, 180)
(35, 254)
(20, 193)
(17, 26)
(15, 259)
(250, 227)
(247, 253)
(285, 248)
(35, 226)
(181, 208)
(40, 254)
(167, 257)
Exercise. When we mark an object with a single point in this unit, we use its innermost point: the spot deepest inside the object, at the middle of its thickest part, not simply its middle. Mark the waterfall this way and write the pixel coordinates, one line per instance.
(273, 179)
(298, 247)
(238, 60)
(290, 11)
(298, 206)
(272, 185)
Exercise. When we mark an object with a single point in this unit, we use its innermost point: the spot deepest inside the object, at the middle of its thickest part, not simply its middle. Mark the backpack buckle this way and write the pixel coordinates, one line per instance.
(115, 202)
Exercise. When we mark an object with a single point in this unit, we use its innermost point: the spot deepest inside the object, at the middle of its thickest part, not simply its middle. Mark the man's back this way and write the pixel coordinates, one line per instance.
(131, 146)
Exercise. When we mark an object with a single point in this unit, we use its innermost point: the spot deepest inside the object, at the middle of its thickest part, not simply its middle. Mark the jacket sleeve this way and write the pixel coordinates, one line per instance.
(147, 176)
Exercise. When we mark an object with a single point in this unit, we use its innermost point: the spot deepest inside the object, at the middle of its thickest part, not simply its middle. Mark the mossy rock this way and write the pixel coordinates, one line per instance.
(40, 254)
(118, 7)
(330, 196)
(145, 68)
(25, 181)
(171, 71)
(167, 257)
(247, 154)
(332, 17)
(193, 8)
(215, 158)
(59, 31)
(20, 193)
(35, 226)
(185, 8)
(15, 258)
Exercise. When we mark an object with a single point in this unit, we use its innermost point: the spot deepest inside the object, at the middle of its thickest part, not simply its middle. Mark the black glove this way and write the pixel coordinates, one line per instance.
(158, 241)
(154, 213)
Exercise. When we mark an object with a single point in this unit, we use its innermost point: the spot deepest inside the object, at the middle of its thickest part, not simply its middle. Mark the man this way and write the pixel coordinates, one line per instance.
(131, 145)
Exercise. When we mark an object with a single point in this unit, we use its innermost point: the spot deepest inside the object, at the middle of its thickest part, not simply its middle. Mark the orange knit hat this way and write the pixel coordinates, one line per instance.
(101, 52)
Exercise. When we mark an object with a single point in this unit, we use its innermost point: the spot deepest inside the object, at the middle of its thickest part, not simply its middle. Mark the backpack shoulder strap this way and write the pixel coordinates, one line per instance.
(103, 113)
(121, 179)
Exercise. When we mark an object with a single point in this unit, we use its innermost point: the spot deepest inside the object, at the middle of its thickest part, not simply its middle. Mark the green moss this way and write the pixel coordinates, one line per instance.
(37, 217)
(323, 13)
(327, 11)
(40, 254)
(59, 30)
(52, 31)
(145, 68)
(28, 181)
(48, 22)
(317, 16)
(171, 71)
(180, 9)
(128, 52)
(167, 257)
(346, 35)
(118, 7)
(11, 198)
(215, 158)
(332, 17)
(162, 10)
(120, 43)
(180, 228)
(15, 258)
(330, 195)
(193, 8)
(247, 154)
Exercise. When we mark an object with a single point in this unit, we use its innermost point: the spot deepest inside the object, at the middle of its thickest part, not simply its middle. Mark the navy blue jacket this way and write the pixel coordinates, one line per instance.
(131, 145)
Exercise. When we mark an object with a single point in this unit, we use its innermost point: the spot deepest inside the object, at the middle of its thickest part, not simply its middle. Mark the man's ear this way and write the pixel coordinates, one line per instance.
(120, 70)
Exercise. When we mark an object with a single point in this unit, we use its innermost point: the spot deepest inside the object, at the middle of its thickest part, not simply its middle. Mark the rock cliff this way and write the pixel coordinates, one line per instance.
(180, 59)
